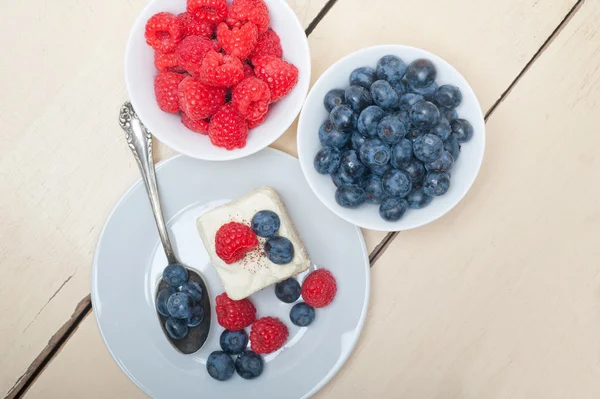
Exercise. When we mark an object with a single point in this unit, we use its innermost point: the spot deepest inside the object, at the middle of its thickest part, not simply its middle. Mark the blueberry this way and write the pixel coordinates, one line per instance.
(176, 328)
(390, 68)
(390, 130)
(448, 96)
(161, 300)
(193, 288)
(197, 316)
(448, 114)
(233, 342)
(332, 98)
(416, 170)
(428, 147)
(403, 117)
(265, 223)
(358, 98)
(364, 77)
(401, 154)
(180, 305)
(452, 146)
(357, 141)
(400, 87)
(340, 177)
(380, 170)
(288, 291)
(442, 164)
(220, 366)
(442, 129)
(462, 130)
(279, 250)
(327, 160)
(373, 186)
(417, 199)
(350, 196)
(407, 100)
(384, 95)
(428, 92)
(369, 119)
(249, 365)
(424, 115)
(436, 183)
(414, 133)
(302, 314)
(351, 164)
(420, 73)
(329, 136)
(342, 117)
(375, 153)
(397, 183)
(392, 209)
(175, 275)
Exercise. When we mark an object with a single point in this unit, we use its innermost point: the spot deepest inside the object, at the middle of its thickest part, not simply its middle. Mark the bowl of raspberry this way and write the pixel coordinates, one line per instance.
(391, 137)
(216, 79)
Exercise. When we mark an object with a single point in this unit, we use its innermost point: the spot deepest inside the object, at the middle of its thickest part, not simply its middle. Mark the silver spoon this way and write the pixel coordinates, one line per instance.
(140, 142)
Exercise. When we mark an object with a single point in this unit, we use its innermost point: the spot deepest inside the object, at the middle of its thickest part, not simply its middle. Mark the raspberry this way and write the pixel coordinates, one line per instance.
(255, 11)
(213, 11)
(267, 335)
(238, 42)
(248, 71)
(165, 90)
(251, 98)
(198, 100)
(268, 44)
(192, 50)
(280, 76)
(199, 126)
(221, 70)
(195, 27)
(163, 32)
(228, 129)
(234, 315)
(167, 62)
(258, 122)
(234, 239)
(319, 288)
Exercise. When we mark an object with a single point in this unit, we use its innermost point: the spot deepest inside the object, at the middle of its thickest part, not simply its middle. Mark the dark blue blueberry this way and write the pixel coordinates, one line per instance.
(340, 177)
(448, 96)
(428, 92)
(193, 288)
(176, 328)
(288, 291)
(233, 342)
(197, 316)
(416, 170)
(428, 147)
(374, 152)
(279, 250)
(400, 87)
(175, 275)
(462, 130)
(401, 154)
(332, 98)
(420, 73)
(220, 366)
(442, 164)
(249, 365)
(350, 196)
(384, 95)
(358, 98)
(302, 314)
(436, 183)
(357, 140)
(180, 305)
(364, 77)
(390, 68)
(390, 130)
(373, 186)
(408, 100)
(397, 183)
(403, 117)
(329, 136)
(448, 114)
(380, 170)
(442, 129)
(265, 223)
(369, 119)
(417, 199)
(343, 118)
(327, 160)
(161, 300)
(452, 146)
(424, 115)
(352, 165)
(392, 209)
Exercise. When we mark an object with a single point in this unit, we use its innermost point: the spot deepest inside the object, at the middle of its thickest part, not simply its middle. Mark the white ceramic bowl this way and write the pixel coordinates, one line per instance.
(313, 114)
(140, 72)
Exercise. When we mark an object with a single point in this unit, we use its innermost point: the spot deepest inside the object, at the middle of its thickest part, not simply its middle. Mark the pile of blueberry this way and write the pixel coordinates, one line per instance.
(180, 302)
(247, 364)
(279, 250)
(391, 137)
(288, 291)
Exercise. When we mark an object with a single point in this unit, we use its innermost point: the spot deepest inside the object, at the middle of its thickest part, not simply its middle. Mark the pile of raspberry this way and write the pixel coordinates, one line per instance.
(220, 66)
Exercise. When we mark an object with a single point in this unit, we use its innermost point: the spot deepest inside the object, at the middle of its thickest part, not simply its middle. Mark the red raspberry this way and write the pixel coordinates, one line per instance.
(165, 90)
(234, 315)
(256, 123)
(267, 335)
(268, 44)
(195, 27)
(192, 50)
(234, 239)
(199, 126)
(213, 11)
(319, 288)
(238, 42)
(167, 62)
(280, 76)
(248, 71)
(228, 129)
(163, 32)
(198, 100)
(255, 11)
(251, 98)
(221, 70)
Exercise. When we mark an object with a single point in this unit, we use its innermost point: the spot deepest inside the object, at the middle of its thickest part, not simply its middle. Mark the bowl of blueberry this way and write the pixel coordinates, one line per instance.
(391, 137)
